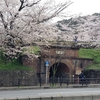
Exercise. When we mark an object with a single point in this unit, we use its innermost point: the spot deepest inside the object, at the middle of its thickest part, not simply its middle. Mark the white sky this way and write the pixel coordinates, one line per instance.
(82, 7)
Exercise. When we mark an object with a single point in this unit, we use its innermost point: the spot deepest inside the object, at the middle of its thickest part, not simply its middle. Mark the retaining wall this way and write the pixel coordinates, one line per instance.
(19, 77)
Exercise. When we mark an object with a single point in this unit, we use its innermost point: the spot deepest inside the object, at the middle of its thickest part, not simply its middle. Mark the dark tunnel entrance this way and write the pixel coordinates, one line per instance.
(61, 70)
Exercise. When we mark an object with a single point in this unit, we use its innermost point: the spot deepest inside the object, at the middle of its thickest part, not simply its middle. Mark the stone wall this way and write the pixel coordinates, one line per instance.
(93, 76)
(92, 73)
(14, 78)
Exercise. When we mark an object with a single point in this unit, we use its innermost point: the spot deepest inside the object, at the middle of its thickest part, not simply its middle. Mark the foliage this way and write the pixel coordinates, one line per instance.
(14, 64)
(36, 50)
(24, 21)
(2, 58)
(86, 28)
(94, 67)
(32, 50)
(91, 53)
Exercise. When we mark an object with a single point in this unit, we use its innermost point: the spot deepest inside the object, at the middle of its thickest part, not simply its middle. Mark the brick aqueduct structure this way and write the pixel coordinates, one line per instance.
(64, 59)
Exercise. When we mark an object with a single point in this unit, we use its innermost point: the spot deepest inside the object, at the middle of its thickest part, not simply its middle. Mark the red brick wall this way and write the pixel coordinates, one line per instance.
(61, 51)
(31, 62)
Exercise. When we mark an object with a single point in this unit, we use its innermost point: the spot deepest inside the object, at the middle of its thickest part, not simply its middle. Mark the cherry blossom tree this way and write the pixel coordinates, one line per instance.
(23, 21)
(85, 28)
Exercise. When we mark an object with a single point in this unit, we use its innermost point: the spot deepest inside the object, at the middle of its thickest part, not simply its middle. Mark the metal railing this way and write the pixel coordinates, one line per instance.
(51, 81)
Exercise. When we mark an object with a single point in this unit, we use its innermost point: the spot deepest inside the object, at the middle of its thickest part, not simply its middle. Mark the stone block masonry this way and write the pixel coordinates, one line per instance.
(19, 77)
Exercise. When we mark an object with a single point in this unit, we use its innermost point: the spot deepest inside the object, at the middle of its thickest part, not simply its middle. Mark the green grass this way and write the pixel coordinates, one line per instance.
(91, 53)
(17, 64)
(36, 50)
(11, 65)
(93, 67)
(32, 50)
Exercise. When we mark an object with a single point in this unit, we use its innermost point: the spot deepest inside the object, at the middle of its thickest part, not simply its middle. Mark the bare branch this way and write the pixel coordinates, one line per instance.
(21, 6)
(58, 10)
(3, 21)
(34, 3)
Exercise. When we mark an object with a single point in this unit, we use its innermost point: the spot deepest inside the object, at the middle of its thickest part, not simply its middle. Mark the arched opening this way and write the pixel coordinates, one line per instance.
(59, 70)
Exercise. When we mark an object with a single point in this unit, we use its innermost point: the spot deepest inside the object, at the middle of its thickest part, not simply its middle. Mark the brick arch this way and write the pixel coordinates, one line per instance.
(68, 63)
(62, 70)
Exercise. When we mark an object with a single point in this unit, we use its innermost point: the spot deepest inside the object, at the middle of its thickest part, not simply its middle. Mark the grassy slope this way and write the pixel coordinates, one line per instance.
(16, 64)
(91, 53)
(13, 65)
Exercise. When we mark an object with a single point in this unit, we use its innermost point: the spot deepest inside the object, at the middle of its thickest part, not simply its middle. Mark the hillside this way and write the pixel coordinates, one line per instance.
(85, 28)
(91, 53)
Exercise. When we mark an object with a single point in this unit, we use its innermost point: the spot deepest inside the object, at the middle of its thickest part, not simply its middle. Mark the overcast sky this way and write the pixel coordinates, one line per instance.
(85, 6)
(82, 7)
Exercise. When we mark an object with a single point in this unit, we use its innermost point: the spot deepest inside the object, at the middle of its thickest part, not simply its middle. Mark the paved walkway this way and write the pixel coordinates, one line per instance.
(49, 87)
